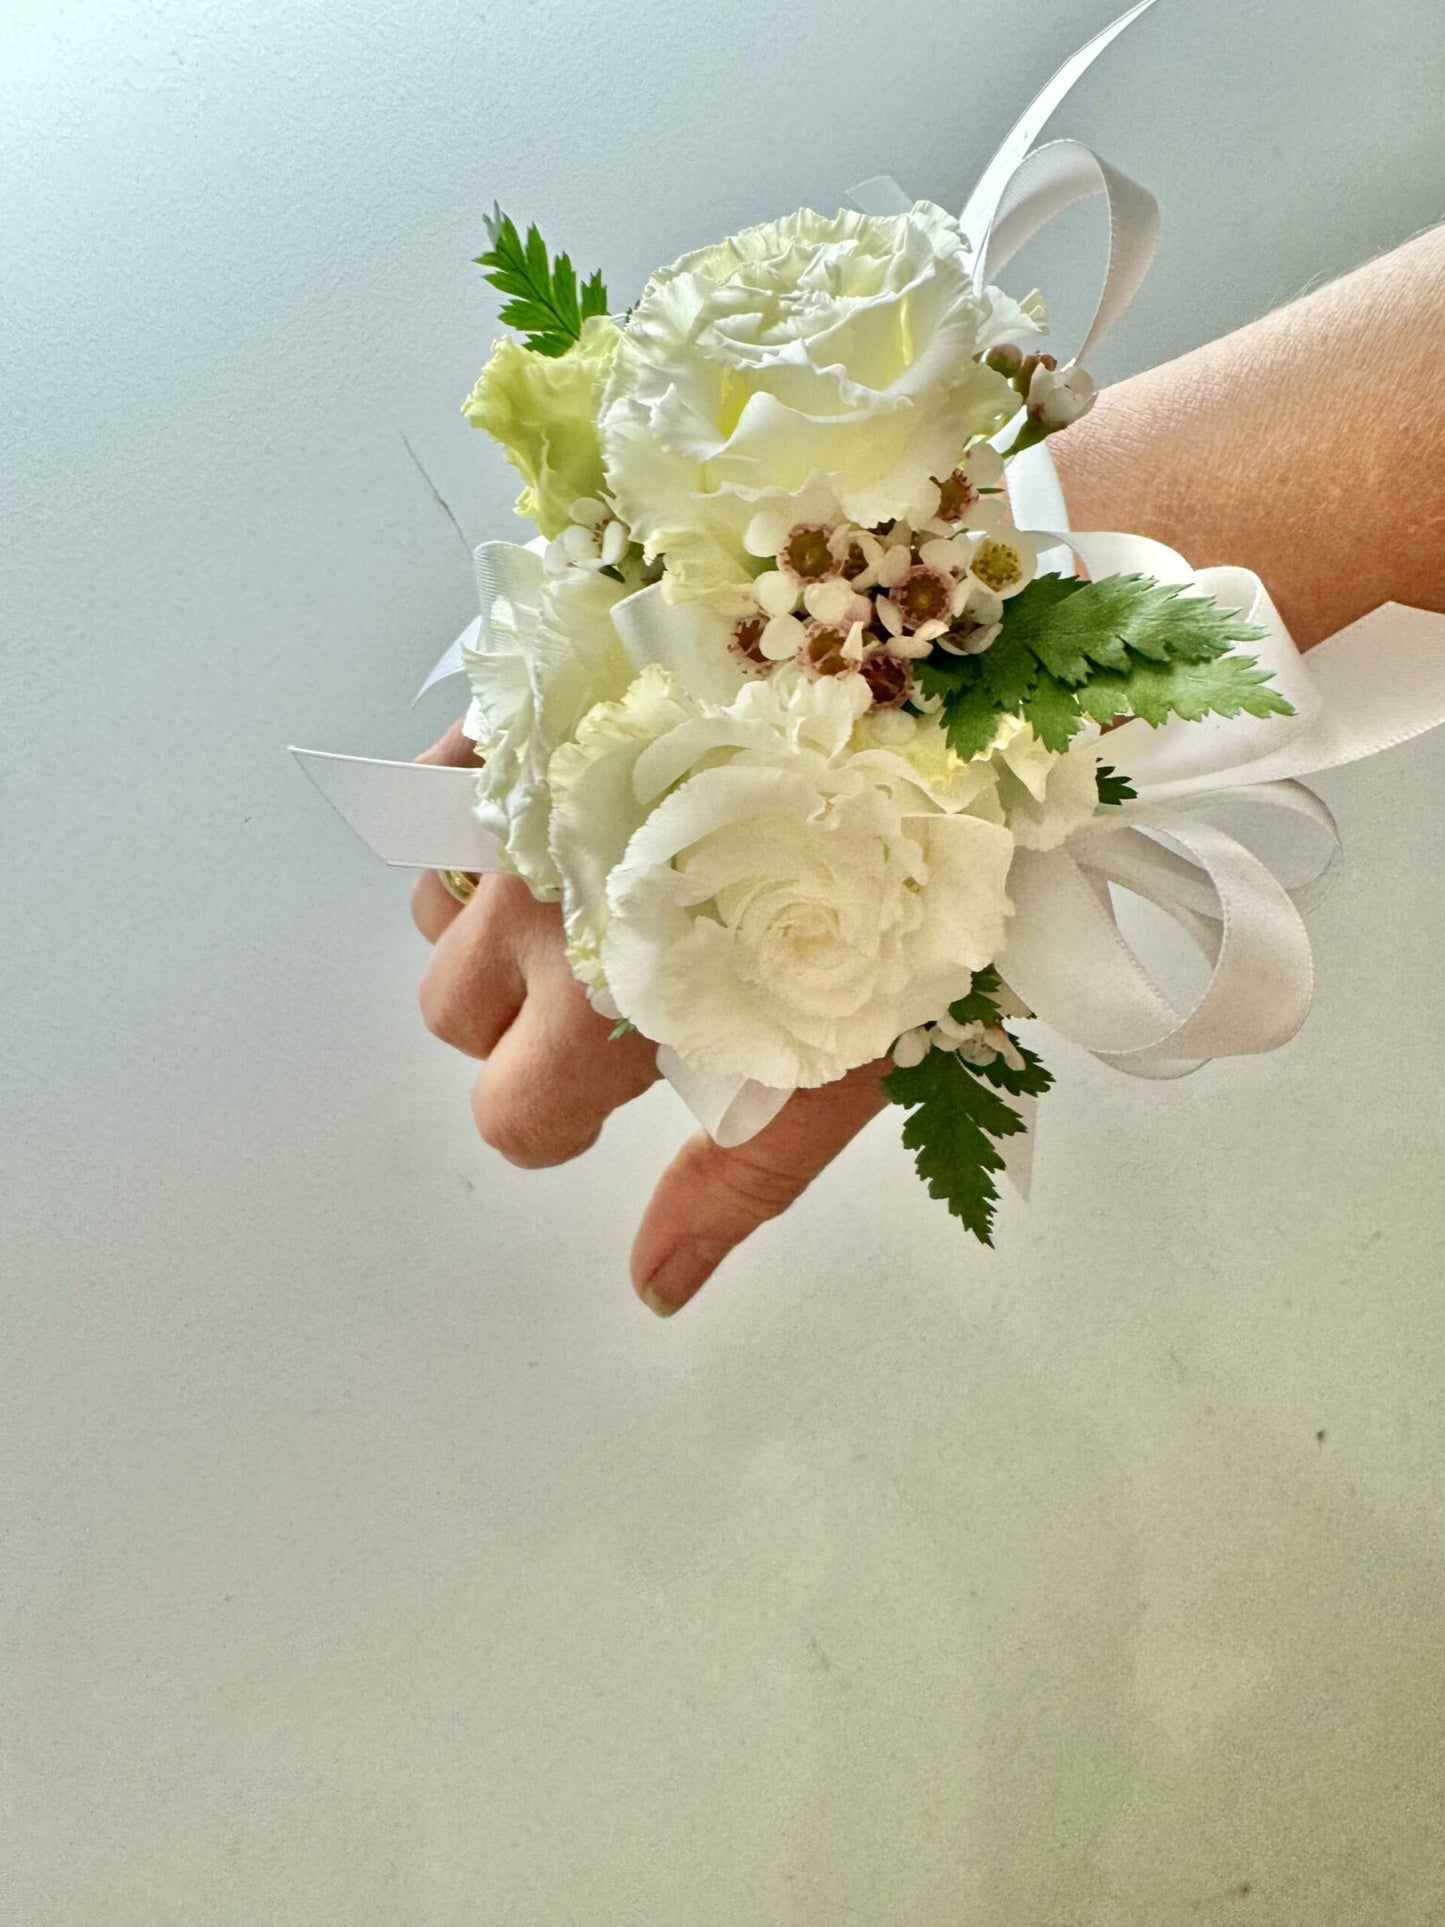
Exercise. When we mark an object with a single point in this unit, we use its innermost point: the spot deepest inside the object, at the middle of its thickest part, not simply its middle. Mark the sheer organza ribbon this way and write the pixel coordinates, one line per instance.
(1374, 684)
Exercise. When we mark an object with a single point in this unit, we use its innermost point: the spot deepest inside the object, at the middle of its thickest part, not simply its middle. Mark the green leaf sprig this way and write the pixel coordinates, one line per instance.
(956, 1113)
(546, 306)
(1112, 787)
(1125, 645)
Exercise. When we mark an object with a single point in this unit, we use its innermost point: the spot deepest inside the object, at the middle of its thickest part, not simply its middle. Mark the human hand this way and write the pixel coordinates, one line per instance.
(498, 987)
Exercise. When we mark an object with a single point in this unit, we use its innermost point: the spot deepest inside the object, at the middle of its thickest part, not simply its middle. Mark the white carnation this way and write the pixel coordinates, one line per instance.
(549, 654)
(759, 894)
(803, 353)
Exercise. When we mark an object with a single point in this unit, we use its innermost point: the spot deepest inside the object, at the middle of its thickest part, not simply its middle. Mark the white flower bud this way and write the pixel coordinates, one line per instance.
(579, 543)
(911, 1048)
(1058, 396)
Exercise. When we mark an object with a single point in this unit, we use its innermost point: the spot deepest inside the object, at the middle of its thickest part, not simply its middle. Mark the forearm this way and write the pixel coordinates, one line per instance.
(1308, 446)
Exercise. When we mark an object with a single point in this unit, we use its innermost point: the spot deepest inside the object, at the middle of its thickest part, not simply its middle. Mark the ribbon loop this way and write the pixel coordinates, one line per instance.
(1053, 178)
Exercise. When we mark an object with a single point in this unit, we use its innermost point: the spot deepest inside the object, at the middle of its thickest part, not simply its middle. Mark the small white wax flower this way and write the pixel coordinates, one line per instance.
(579, 543)
(833, 601)
(993, 1043)
(1005, 560)
(782, 638)
(982, 613)
(1058, 396)
(777, 593)
(924, 595)
(813, 551)
(961, 501)
(978, 1043)
(912, 1047)
(871, 550)
(987, 513)
(1002, 1045)
(984, 605)
(946, 553)
(971, 642)
(983, 465)
(949, 1035)
(767, 532)
(919, 644)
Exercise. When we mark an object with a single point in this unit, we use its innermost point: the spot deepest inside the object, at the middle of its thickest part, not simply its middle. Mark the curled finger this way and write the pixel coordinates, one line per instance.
(475, 983)
(557, 1075)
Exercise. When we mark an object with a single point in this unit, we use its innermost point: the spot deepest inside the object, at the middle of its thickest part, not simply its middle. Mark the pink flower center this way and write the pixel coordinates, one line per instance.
(957, 496)
(822, 650)
(807, 552)
(748, 640)
(922, 596)
(889, 679)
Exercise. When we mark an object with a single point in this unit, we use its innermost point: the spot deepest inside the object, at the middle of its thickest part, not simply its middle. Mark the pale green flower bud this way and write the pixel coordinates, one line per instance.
(543, 411)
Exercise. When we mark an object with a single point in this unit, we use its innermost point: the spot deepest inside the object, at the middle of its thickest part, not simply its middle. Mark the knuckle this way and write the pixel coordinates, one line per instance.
(523, 1132)
(449, 1013)
(508, 898)
(760, 1188)
(438, 1007)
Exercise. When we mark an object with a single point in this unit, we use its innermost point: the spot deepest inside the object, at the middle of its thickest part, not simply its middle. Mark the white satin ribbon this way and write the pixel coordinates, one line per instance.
(981, 207)
(1372, 685)
(1376, 683)
(418, 815)
(1053, 178)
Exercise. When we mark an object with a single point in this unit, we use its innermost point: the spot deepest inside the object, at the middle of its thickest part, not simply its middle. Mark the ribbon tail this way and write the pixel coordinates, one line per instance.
(450, 663)
(880, 194)
(978, 214)
(416, 815)
(730, 1109)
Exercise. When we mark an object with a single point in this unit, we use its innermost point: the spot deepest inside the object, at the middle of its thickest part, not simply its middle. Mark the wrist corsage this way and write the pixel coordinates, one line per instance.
(832, 740)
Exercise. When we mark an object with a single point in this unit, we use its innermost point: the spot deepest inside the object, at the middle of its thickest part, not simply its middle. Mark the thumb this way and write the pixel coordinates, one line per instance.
(709, 1199)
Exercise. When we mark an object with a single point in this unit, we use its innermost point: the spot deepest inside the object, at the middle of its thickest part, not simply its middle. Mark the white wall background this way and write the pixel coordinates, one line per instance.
(371, 1555)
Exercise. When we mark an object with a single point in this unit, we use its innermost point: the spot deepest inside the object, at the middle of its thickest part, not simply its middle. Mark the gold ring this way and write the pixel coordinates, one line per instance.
(458, 884)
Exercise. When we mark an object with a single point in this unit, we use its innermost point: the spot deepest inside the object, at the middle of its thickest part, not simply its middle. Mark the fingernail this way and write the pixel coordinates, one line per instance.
(683, 1272)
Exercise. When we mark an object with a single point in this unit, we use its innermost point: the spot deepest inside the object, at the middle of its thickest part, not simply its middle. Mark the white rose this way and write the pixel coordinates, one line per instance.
(549, 654)
(804, 353)
(756, 893)
(1045, 796)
